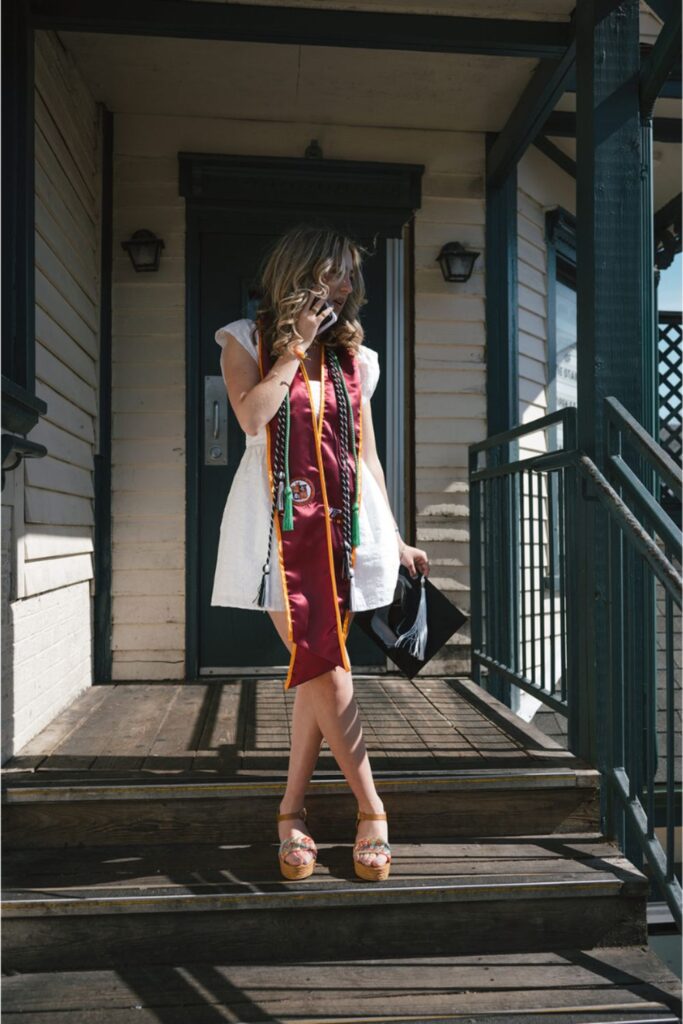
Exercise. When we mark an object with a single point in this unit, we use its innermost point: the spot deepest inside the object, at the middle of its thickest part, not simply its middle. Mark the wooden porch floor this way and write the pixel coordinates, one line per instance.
(242, 728)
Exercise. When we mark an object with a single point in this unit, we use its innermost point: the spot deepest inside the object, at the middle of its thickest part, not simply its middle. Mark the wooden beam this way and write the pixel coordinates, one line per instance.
(659, 63)
(308, 26)
(610, 321)
(556, 154)
(562, 124)
(531, 111)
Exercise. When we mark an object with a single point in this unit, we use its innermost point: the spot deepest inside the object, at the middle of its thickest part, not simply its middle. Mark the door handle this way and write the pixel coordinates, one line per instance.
(215, 422)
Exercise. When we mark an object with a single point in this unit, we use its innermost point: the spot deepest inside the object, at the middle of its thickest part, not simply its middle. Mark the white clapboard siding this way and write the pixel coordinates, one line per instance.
(148, 409)
(450, 361)
(59, 488)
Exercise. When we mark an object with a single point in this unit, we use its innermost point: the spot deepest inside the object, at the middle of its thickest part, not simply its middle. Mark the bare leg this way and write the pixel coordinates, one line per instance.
(326, 706)
(305, 749)
(332, 696)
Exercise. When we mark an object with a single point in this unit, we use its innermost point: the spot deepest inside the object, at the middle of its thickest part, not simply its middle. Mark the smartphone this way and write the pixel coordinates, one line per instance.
(330, 319)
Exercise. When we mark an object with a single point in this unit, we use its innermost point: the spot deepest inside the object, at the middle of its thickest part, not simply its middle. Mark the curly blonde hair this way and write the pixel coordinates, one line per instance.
(295, 266)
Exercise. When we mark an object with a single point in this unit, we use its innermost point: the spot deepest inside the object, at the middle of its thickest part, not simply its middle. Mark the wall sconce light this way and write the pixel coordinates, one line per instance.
(456, 261)
(144, 249)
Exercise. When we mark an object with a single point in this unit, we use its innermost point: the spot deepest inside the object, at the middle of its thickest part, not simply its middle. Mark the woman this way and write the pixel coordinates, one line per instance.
(308, 533)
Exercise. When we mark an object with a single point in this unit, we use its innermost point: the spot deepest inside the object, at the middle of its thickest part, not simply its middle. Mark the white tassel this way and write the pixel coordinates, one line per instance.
(352, 595)
(416, 637)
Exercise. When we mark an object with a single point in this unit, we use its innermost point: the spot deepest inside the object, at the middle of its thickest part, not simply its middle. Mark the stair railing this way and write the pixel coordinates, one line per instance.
(521, 544)
(525, 626)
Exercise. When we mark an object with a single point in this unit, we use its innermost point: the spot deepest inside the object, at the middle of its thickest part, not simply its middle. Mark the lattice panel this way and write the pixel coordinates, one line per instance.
(670, 370)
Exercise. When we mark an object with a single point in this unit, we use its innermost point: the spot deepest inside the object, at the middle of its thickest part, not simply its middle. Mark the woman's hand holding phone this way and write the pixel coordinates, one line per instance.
(311, 317)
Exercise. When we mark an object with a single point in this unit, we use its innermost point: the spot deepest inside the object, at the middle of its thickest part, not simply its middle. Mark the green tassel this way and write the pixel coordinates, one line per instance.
(355, 526)
(288, 521)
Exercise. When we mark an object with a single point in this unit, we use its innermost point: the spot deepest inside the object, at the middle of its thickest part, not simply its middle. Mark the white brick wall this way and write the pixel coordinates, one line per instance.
(52, 662)
(47, 511)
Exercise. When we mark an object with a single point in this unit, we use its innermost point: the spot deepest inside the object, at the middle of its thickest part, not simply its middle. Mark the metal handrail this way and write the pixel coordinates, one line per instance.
(663, 569)
(524, 553)
(643, 443)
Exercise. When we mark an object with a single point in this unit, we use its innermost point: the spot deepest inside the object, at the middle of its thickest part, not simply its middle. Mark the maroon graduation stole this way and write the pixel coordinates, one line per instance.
(310, 539)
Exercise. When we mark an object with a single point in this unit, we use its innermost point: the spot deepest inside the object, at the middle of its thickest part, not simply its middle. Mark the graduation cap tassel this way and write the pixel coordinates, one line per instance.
(415, 638)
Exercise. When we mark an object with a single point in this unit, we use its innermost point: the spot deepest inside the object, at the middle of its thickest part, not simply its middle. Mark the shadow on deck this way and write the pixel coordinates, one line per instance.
(241, 728)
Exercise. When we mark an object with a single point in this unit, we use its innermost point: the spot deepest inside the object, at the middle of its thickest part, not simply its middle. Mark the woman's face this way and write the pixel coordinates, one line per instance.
(342, 286)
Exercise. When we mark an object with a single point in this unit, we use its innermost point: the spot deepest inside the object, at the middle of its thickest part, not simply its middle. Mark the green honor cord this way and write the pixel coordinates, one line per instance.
(288, 521)
(355, 518)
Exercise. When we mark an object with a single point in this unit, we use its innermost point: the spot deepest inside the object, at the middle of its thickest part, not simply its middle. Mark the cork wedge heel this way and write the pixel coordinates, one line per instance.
(369, 872)
(295, 872)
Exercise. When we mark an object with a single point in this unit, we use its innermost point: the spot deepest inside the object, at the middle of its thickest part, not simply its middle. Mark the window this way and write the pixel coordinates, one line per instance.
(561, 290)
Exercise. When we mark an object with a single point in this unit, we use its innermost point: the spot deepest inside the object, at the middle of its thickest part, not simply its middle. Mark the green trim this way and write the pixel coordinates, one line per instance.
(384, 194)
(103, 525)
(193, 400)
(310, 26)
(18, 288)
(532, 110)
(21, 409)
(502, 413)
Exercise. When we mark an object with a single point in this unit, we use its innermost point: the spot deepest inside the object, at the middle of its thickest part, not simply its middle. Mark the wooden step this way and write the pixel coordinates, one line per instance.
(578, 986)
(488, 802)
(102, 906)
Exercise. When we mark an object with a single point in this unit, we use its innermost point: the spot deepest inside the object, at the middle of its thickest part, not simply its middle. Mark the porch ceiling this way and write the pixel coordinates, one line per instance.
(279, 82)
(524, 10)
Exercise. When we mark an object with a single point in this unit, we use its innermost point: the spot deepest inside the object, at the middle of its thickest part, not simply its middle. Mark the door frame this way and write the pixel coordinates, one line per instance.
(383, 195)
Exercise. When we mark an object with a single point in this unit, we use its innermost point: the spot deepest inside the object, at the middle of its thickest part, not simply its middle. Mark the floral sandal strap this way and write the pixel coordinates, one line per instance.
(372, 846)
(294, 843)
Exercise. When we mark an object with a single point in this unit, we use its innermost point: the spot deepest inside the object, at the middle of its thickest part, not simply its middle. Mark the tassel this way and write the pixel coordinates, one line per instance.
(352, 596)
(355, 525)
(415, 638)
(288, 521)
(262, 597)
(281, 496)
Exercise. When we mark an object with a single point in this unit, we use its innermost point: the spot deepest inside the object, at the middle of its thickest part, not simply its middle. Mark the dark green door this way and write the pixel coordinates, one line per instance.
(226, 263)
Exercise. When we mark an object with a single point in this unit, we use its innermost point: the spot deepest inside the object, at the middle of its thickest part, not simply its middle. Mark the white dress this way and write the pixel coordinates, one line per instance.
(246, 518)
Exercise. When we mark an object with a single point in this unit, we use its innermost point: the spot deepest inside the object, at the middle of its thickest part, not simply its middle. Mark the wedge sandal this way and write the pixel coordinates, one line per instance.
(370, 872)
(296, 871)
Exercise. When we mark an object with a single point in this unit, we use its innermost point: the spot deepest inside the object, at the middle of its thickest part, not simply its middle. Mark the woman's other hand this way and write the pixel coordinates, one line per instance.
(415, 560)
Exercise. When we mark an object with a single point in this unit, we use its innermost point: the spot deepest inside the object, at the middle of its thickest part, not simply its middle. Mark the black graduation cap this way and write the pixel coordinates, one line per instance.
(415, 626)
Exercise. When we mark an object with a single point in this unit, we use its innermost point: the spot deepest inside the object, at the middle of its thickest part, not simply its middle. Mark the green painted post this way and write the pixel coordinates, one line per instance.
(502, 411)
(610, 315)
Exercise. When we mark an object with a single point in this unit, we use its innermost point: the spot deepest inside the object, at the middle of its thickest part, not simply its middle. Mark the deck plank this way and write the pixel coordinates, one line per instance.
(242, 727)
